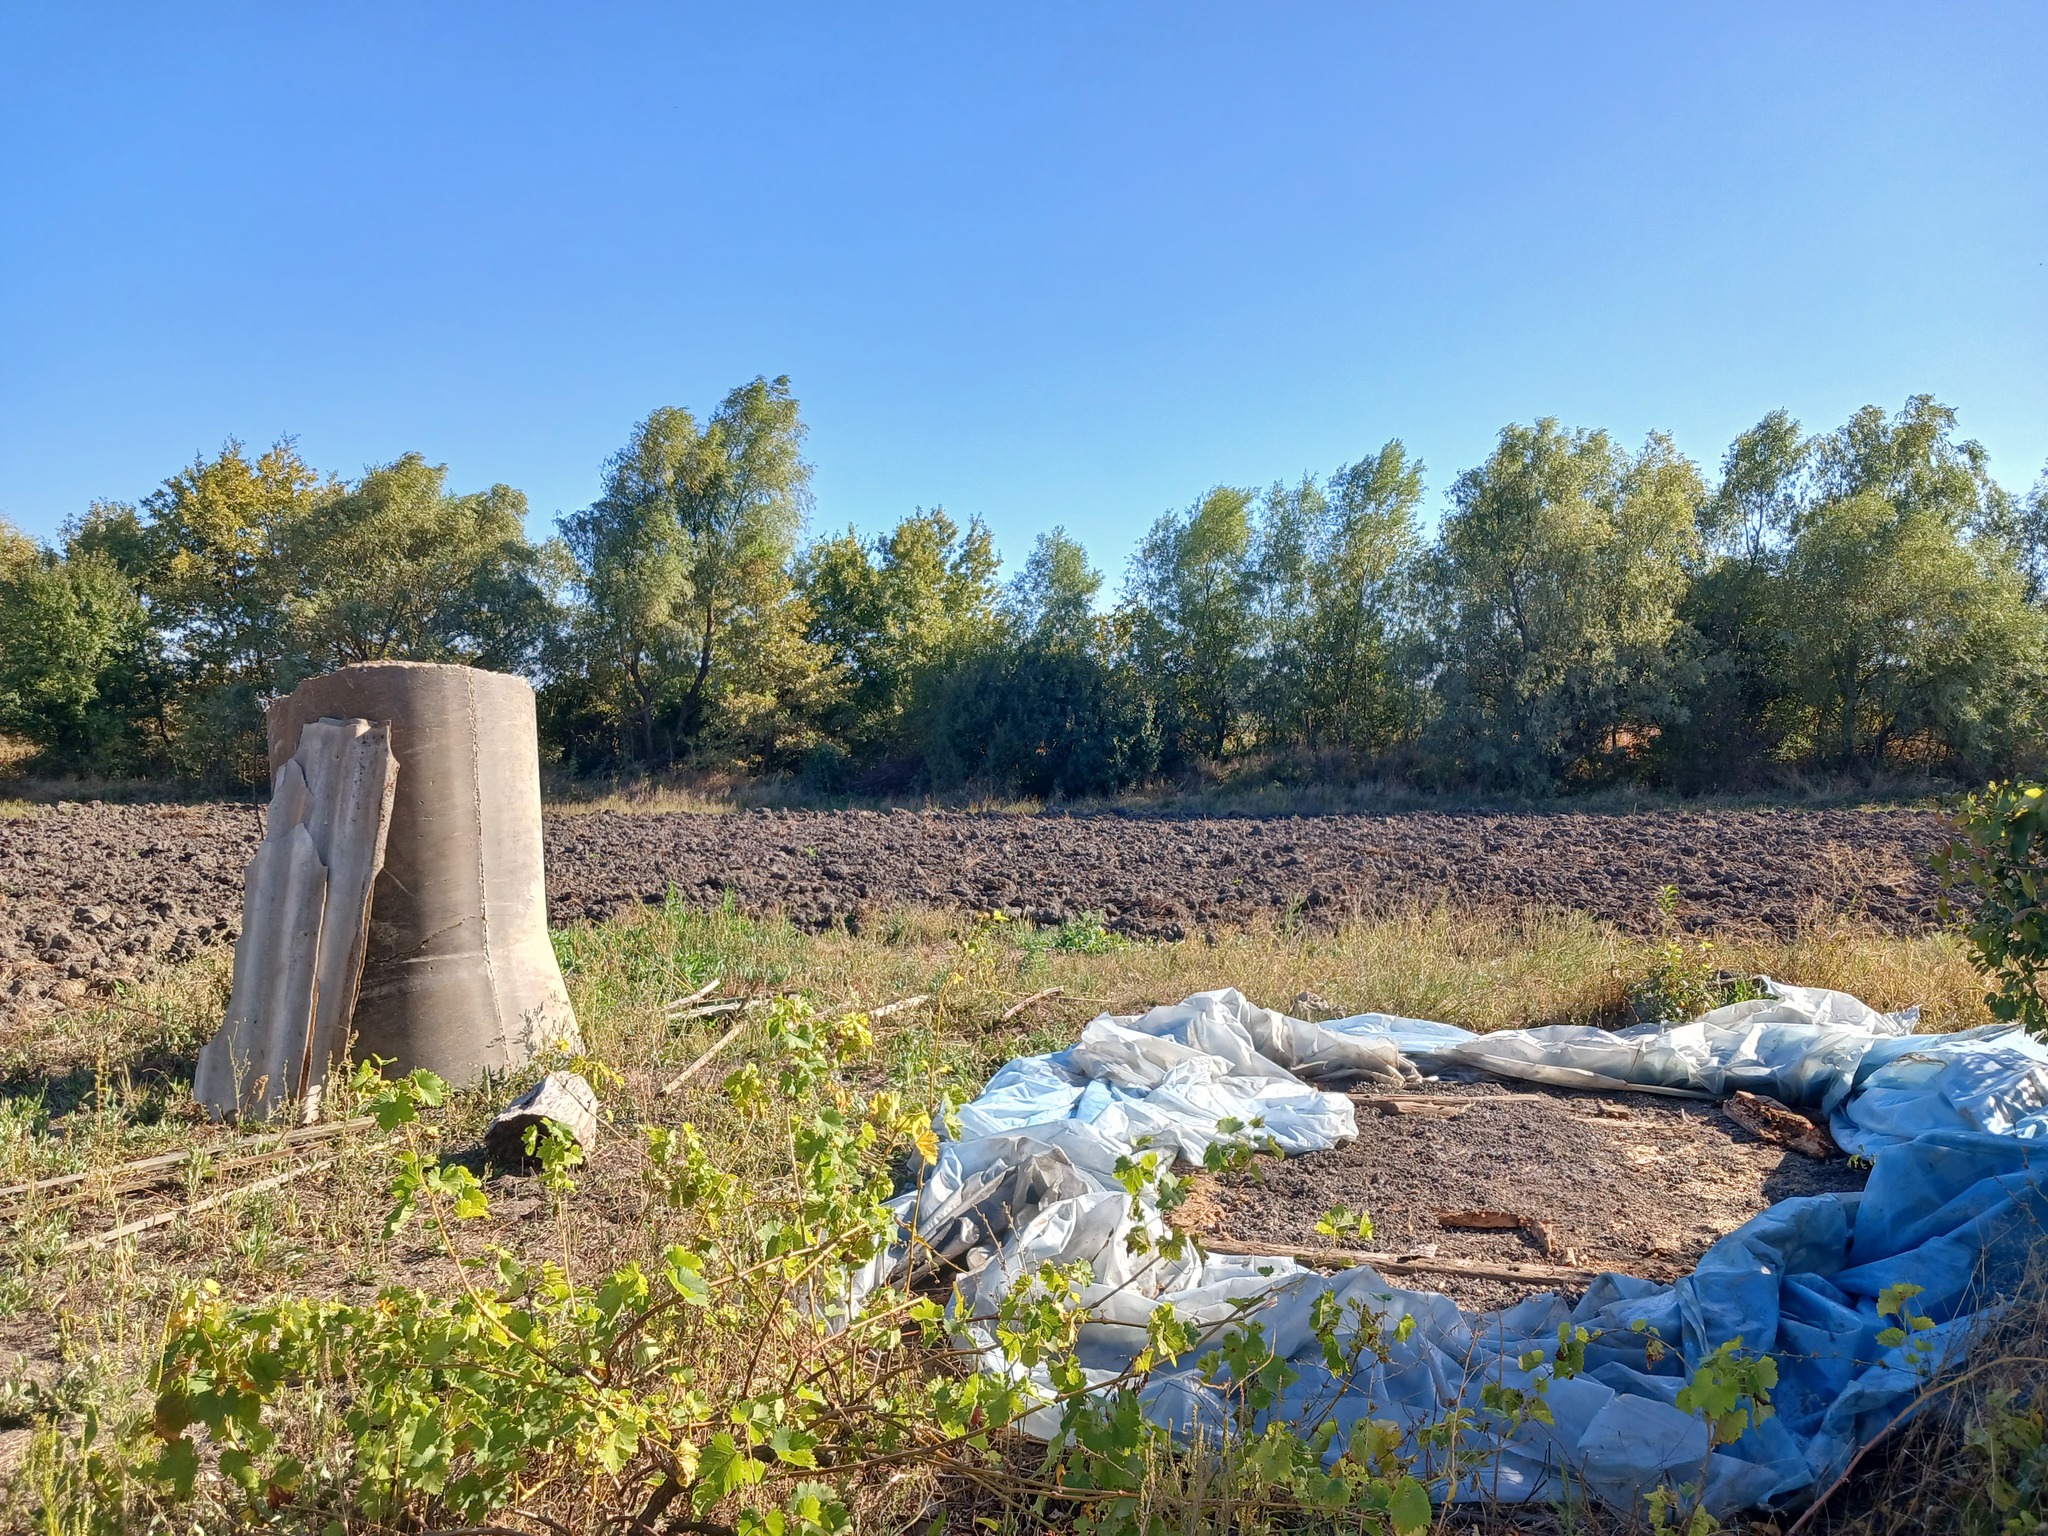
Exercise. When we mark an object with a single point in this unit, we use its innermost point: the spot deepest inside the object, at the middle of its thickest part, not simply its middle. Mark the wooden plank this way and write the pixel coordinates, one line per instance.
(1396, 1264)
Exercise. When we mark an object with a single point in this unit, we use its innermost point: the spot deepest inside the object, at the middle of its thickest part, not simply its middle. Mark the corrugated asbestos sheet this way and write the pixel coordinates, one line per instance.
(305, 921)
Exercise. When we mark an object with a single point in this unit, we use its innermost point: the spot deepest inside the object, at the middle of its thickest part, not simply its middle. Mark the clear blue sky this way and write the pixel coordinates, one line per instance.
(1045, 264)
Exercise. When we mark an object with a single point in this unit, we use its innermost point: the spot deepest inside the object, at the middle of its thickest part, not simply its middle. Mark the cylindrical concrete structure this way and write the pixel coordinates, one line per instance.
(458, 976)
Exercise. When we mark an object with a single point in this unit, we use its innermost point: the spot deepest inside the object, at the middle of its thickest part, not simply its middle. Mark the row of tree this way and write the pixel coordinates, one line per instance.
(1862, 597)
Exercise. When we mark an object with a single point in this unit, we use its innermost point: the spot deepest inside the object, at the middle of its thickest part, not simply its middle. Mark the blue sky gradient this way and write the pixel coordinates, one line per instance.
(1042, 264)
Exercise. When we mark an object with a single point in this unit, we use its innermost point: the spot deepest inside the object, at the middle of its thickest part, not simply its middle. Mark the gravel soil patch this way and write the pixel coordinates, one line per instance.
(91, 893)
(1631, 1182)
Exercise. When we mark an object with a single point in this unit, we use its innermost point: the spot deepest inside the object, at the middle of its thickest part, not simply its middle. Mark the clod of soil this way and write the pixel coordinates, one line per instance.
(1628, 1181)
(90, 893)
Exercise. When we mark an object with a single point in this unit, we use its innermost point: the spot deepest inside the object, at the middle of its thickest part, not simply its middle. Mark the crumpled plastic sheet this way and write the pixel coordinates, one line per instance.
(1957, 1203)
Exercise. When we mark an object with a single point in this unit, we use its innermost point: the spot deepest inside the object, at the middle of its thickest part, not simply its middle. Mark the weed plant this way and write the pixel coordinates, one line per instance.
(657, 1339)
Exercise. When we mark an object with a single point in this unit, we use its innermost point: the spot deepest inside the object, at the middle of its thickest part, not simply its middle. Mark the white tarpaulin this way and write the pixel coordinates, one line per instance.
(1958, 1125)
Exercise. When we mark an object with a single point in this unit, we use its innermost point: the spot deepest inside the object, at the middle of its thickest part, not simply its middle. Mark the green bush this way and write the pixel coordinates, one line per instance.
(1039, 720)
(2000, 857)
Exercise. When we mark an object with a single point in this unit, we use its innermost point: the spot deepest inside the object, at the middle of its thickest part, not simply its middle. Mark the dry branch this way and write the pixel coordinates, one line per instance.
(727, 1038)
(710, 1010)
(1398, 1102)
(901, 1005)
(1037, 997)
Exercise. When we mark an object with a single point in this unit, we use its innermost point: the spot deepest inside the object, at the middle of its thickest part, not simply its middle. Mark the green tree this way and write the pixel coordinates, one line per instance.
(1357, 590)
(896, 612)
(1758, 497)
(689, 544)
(1913, 459)
(2022, 523)
(1190, 597)
(65, 624)
(1900, 628)
(1052, 599)
(396, 566)
(1555, 585)
(1043, 718)
(1903, 601)
(217, 579)
(1725, 733)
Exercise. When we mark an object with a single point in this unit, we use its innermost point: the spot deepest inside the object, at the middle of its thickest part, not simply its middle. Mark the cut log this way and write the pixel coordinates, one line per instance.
(560, 1098)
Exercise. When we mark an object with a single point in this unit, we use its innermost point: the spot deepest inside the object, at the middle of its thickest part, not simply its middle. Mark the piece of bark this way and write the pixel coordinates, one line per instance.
(560, 1098)
(1768, 1120)
(1482, 1221)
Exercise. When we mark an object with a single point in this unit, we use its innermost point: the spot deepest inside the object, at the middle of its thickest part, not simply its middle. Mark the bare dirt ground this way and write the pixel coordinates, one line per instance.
(1630, 1182)
(90, 893)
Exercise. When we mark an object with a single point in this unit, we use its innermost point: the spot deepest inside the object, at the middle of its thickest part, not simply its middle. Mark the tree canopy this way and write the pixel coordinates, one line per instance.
(1859, 598)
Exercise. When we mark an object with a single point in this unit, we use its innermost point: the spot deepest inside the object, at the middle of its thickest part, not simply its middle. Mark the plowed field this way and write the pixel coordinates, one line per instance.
(91, 893)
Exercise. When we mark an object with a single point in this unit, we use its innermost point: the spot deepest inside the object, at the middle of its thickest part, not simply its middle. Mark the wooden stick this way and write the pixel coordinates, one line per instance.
(697, 996)
(1037, 997)
(694, 1067)
(710, 1010)
(726, 1039)
(165, 1218)
(901, 1005)
(1395, 1264)
(135, 1185)
(292, 1138)
(1531, 1098)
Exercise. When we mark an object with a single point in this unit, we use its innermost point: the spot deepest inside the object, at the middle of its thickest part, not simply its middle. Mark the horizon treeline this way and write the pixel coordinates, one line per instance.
(1862, 598)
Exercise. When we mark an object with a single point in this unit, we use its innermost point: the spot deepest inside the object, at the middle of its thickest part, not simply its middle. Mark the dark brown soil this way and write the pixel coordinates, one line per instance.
(93, 893)
(1645, 1194)
(89, 893)
(1163, 878)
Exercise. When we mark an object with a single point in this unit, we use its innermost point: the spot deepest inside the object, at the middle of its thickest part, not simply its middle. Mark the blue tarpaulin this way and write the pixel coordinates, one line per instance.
(1956, 1125)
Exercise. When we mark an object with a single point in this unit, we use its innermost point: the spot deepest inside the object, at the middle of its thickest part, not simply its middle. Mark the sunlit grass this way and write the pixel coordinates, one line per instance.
(109, 1081)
